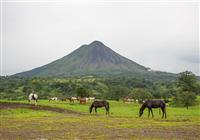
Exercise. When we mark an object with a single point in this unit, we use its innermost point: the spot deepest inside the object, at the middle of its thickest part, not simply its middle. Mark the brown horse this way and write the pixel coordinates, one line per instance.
(153, 104)
(97, 104)
(82, 100)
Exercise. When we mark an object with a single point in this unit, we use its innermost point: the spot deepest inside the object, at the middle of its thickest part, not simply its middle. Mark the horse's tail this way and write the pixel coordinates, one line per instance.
(91, 107)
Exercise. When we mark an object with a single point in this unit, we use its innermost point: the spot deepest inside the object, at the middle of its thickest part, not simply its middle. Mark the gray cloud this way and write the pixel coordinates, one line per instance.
(191, 59)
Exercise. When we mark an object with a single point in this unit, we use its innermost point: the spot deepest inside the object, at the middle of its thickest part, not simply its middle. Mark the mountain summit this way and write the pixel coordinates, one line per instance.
(94, 58)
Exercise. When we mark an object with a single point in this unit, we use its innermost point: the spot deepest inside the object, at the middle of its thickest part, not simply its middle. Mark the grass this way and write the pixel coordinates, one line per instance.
(122, 123)
(118, 108)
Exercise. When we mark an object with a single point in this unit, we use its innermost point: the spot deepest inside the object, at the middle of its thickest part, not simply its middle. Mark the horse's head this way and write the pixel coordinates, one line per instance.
(140, 112)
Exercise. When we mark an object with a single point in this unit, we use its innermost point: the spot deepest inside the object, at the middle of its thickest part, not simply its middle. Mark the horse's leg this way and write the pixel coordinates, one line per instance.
(96, 109)
(163, 112)
(152, 113)
(91, 110)
(148, 112)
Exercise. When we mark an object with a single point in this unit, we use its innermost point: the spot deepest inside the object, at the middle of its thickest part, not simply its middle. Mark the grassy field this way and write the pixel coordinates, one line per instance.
(122, 123)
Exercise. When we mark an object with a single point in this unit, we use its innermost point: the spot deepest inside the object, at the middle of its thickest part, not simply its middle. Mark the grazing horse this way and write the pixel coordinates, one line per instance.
(153, 104)
(97, 104)
(82, 100)
(53, 99)
(34, 97)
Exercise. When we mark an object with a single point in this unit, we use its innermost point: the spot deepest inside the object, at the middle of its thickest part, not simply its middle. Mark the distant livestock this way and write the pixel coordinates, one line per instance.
(97, 104)
(127, 99)
(82, 100)
(72, 99)
(53, 99)
(153, 104)
(63, 99)
(33, 97)
(91, 98)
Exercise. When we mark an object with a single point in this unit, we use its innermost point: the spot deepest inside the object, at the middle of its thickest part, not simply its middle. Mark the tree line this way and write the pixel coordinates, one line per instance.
(182, 92)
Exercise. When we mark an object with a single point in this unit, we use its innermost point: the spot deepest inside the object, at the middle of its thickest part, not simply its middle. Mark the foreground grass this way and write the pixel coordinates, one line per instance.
(122, 123)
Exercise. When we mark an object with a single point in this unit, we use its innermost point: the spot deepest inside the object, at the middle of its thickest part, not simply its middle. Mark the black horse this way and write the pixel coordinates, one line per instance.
(97, 104)
(153, 104)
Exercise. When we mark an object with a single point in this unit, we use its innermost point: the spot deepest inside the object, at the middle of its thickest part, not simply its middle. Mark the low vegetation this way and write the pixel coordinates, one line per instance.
(183, 91)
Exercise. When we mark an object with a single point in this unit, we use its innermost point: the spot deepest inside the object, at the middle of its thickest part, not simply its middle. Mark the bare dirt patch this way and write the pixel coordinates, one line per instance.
(5, 105)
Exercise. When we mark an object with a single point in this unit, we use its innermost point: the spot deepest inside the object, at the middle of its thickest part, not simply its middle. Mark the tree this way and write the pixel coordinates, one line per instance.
(162, 91)
(82, 92)
(36, 85)
(117, 92)
(140, 94)
(187, 88)
(185, 99)
(187, 81)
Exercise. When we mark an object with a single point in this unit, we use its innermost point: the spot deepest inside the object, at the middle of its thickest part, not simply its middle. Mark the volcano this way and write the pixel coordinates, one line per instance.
(92, 59)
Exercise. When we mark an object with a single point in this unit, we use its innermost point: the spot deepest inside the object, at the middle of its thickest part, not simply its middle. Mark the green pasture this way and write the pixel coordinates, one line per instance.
(118, 108)
(122, 123)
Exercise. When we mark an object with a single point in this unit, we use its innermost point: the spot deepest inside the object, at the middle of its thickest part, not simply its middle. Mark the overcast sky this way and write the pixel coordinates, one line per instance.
(162, 36)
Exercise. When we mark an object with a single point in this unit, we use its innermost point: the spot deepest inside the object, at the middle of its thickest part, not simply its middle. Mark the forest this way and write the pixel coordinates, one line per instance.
(112, 88)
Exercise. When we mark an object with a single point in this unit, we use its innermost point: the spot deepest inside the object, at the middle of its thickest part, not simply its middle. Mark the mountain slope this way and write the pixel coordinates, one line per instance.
(95, 58)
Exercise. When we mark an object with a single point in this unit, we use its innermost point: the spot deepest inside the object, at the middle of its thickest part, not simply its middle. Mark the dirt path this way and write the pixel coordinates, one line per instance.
(5, 105)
